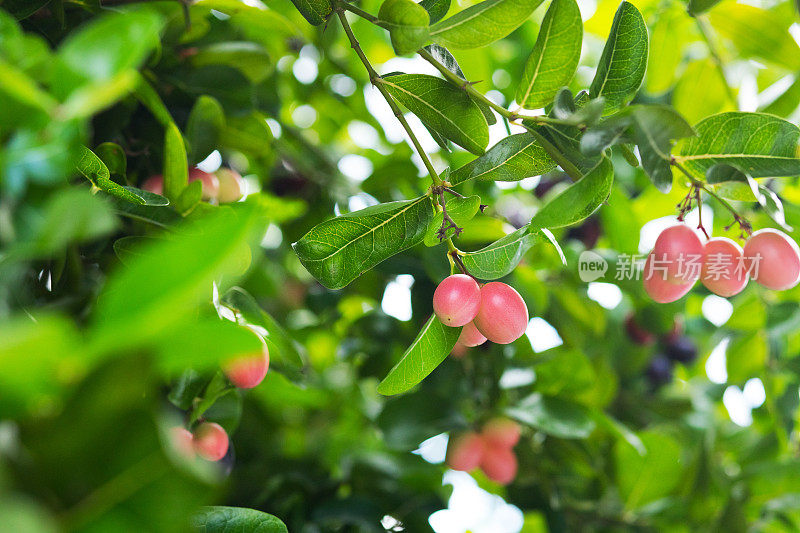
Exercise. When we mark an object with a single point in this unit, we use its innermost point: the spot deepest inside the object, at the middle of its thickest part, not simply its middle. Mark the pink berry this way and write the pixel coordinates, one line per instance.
(677, 249)
(499, 464)
(231, 185)
(456, 300)
(210, 441)
(246, 372)
(501, 432)
(465, 452)
(723, 273)
(772, 259)
(470, 336)
(210, 182)
(154, 184)
(503, 315)
(659, 289)
(459, 350)
(182, 441)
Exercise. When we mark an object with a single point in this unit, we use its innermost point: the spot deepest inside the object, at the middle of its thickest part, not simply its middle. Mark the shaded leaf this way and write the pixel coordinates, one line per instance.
(205, 125)
(220, 519)
(554, 416)
(175, 168)
(645, 478)
(437, 9)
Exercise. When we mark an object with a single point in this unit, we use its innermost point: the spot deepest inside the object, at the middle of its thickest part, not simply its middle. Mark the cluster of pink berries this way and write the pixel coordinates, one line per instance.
(494, 311)
(769, 257)
(209, 440)
(225, 185)
(492, 450)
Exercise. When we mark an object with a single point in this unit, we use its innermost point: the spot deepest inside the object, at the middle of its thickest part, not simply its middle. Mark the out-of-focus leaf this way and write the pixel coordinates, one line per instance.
(697, 7)
(555, 416)
(624, 59)
(249, 134)
(113, 156)
(482, 23)
(228, 519)
(175, 169)
(407, 22)
(645, 478)
(339, 250)
(555, 55)
(441, 106)
(701, 77)
(205, 125)
(669, 34)
(429, 349)
(746, 356)
(502, 256)
(513, 158)
(250, 59)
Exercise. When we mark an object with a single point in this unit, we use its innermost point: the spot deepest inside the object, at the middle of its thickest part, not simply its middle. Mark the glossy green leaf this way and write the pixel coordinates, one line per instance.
(483, 23)
(502, 256)
(314, 11)
(407, 23)
(461, 210)
(579, 200)
(106, 47)
(441, 106)
(653, 128)
(624, 59)
(341, 249)
(113, 156)
(513, 158)
(220, 519)
(429, 349)
(555, 55)
(645, 478)
(250, 59)
(555, 416)
(205, 125)
(175, 169)
(95, 171)
(190, 197)
(759, 144)
(437, 9)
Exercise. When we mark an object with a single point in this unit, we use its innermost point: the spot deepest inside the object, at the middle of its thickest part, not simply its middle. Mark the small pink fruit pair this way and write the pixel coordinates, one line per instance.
(494, 311)
(225, 185)
(247, 371)
(209, 441)
(769, 257)
(491, 450)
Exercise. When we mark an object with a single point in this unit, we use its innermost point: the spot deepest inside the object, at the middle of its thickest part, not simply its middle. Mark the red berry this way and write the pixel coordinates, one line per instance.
(247, 371)
(773, 259)
(637, 333)
(456, 300)
(677, 249)
(501, 432)
(210, 441)
(210, 182)
(499, 464)
(723, 271)
(231, 185)
(659, 289)
(470, 336)
(154, 184)
(465, 452)
(182, 441)
(503, 315)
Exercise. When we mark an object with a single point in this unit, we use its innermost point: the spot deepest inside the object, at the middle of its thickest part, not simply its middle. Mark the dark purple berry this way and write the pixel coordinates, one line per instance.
(659, 372)
(681, 349)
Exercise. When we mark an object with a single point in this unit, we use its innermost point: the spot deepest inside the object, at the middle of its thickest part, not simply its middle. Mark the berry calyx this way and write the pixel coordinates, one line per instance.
(470, 336)
(501, 432)
(210, 441)
(677, 249)
(723, 271)
(772, 259)
(456, 300)
(659, 289)
(231, 185)
(503, 316)
(246, 372)
(499, 464)
(465, 452)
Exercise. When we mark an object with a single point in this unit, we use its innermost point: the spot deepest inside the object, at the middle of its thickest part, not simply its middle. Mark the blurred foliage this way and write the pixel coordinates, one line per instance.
(117, 305)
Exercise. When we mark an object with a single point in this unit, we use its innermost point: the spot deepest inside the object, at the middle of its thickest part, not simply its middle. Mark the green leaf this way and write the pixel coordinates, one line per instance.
(514, 158)
(147, 298)
(91, 98)
(113, 156)
(565, 108)
(106, 47)
(555, 55)
(502, 256)
(96, 172)
(205, 125)
(646, 478)
(554, 416)
(152, 101)
(461, 210)
(175, 169)
(314, 11)
(429, 349)
(441, 106)
(24, 101)
(339, 250)
(190, 197)
(250, 59)
(624, 59)
(669, 34)
(701, 77)
(437, 9)
(654, 127)
(758, 144)
(283, 351)
(186, 388)
(579, 200)
(746, 356)
(698, 7)
(230, 519)
(407, 23)
(483, 23)
(249, 134)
